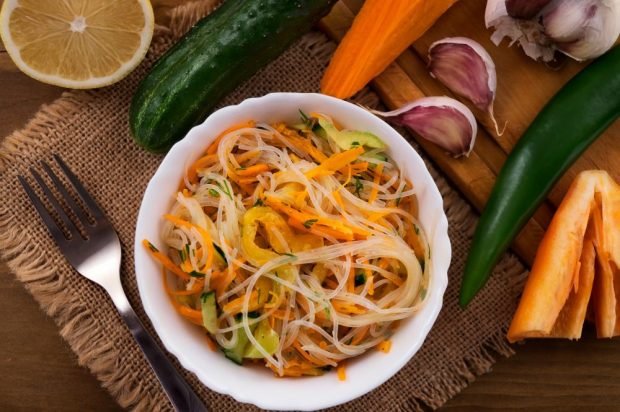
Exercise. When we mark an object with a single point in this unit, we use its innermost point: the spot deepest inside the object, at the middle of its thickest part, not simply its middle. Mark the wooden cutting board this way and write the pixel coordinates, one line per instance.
(524, 87)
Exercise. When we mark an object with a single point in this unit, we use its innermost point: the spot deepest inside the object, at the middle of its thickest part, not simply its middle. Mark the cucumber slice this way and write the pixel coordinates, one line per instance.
(235, 354)
(266, 337)
(346, 139)
(378, 156)
(209, 311)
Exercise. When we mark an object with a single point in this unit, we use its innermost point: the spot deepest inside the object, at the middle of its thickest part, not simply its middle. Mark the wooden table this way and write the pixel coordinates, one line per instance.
(38, 371)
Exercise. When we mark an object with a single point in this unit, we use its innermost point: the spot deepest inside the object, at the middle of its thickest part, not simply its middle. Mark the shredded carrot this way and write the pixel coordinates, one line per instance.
(342, 375)
(244, 157)
(306, 355)
(338, 198)
(196, 288)
(165, 260)
(333, 224)
(319, 230)
(247, 181)
(349, 175)
(210, 343)
(304, 145)
(206, 238)
(392, 278)
(360, 335)
(280, 314)
(330, 283)
(351, 281)
(385, 346)
(335, 162)
(221, 283)
(192, 172)
(192, 314)
(377, 179)
(355, 168)
(253, 170)
(371, 285)
(344, 307)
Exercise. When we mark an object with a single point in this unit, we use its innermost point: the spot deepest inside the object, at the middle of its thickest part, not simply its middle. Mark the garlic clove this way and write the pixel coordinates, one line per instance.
(442, 120)
(525, 9)
(582, 29)
(465, 67)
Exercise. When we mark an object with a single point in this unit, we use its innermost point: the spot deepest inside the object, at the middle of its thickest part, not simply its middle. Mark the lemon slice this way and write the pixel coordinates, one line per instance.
(80, 44)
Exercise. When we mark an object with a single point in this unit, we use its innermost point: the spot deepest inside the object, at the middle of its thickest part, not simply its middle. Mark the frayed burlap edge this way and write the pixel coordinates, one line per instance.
(83, 333)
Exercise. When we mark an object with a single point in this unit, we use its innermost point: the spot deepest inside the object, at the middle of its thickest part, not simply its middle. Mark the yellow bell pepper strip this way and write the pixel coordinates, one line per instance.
(256, 255)
(335, 162)
(272, 222)
(560, 275)
(236, 305)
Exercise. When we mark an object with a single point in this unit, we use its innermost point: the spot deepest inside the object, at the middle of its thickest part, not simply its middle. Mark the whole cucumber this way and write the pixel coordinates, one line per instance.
(218, 54)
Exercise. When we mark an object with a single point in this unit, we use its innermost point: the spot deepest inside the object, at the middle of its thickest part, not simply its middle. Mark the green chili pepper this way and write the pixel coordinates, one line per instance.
(563, 130)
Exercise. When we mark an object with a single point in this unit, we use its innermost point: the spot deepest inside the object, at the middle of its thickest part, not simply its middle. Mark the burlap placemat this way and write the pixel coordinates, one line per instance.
(90, 131)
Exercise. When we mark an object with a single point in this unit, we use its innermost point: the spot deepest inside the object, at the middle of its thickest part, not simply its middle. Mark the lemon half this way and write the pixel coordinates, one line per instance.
(80, 44)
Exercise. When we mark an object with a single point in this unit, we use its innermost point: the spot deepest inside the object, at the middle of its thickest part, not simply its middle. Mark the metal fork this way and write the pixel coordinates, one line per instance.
(95, 252)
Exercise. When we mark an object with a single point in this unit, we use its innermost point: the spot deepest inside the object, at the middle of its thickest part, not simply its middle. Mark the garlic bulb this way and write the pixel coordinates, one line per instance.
(581, 29)
(441, 120)
(465, 67)
(521, 9)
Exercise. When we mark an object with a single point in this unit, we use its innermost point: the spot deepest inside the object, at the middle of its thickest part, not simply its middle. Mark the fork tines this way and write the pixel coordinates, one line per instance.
(71, 226)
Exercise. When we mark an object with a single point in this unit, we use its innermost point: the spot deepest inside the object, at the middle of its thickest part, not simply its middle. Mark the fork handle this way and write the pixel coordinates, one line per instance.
(181, 395)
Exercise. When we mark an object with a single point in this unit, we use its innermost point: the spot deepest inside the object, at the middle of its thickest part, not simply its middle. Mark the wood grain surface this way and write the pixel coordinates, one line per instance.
(39, 372)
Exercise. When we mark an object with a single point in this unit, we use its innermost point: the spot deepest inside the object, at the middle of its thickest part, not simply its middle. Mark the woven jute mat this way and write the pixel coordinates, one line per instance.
(90, 131)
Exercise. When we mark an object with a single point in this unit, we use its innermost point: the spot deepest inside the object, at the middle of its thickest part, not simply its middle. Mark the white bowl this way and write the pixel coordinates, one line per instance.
(258, 385)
